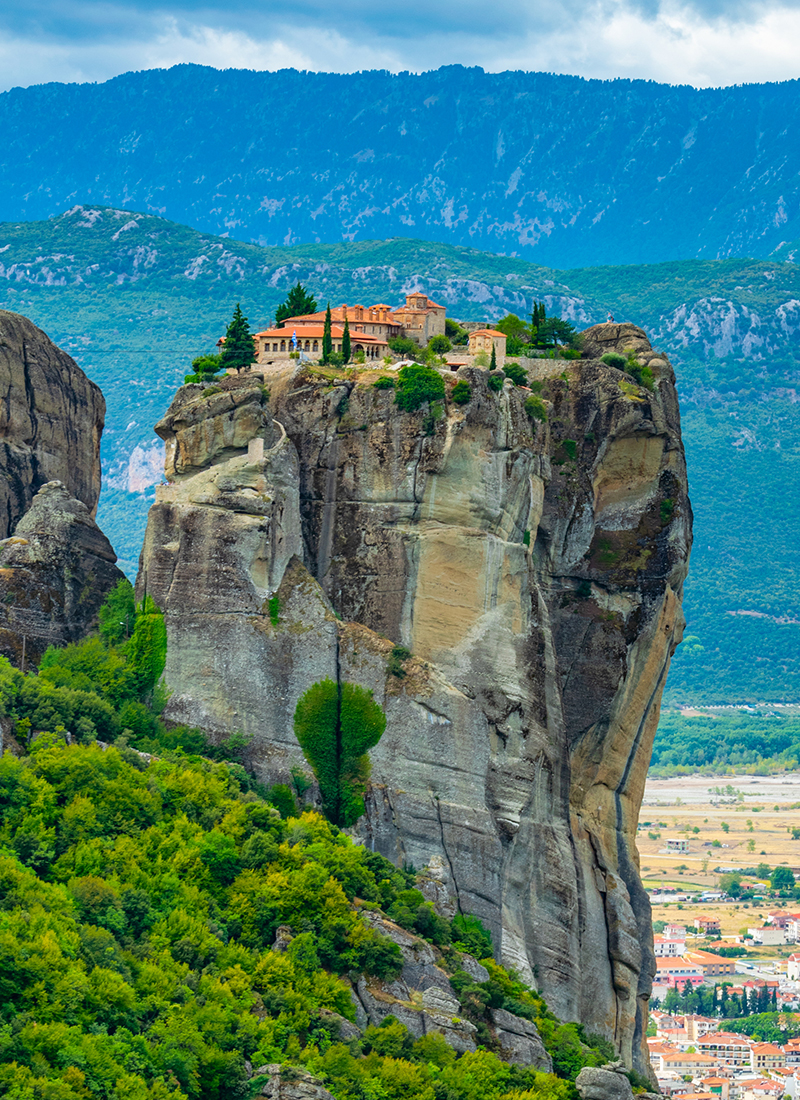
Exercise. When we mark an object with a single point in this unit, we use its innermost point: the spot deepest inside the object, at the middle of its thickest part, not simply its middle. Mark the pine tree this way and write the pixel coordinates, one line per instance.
(346, 342)
(238, 350)
(297, 303)
(493, 363)
(327, 340)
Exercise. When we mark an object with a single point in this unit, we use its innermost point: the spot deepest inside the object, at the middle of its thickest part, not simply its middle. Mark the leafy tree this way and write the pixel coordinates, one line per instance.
(495, 381)
(513, 326)
(554, 331)
(327, 340)
(517, 374)
(417, 384)
(147, 649)
(535, 408)
(462, 392)
(454, 332)
(405, 347)
(117, 614)
(439, 344)
(346, 350)
(782, 878)
(238, 350)
(297, 303)
(204, 368)
(336, 725)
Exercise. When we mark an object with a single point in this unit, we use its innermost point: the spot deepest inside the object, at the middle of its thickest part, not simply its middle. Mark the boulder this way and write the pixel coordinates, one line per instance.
(603, 1084)
(55, 572)
(51, 420)
(290, 1083)
(520, 1040)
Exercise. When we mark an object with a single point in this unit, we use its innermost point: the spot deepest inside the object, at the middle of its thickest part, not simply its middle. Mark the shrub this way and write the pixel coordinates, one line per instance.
(495, 381)
(395, 665)
(614, 359)
(462, 392)
(416, 385)
(274, 605)
(384, 383)
(517, 375)
(535, 408)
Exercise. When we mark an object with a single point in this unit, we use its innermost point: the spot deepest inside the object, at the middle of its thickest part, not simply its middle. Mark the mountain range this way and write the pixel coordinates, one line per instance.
(556, 169)
(134, 298)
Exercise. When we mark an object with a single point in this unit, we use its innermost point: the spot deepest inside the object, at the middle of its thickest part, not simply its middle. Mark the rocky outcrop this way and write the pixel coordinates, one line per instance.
(51, 420)
(55, 572)
(289, 1083)
(533, 569)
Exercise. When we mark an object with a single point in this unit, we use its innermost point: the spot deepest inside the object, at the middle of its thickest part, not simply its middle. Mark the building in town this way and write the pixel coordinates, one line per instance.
(707, 925)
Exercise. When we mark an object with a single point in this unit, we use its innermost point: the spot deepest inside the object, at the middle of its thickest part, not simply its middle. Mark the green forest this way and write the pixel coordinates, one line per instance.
(759, 740)
(142, 886)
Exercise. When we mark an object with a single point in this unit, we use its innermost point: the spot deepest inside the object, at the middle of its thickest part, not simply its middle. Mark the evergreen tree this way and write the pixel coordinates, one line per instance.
(238, 350)
(774, 999)
(327, 341)
(297, 303)
(336, 725)
(493, 363)
(346, 342)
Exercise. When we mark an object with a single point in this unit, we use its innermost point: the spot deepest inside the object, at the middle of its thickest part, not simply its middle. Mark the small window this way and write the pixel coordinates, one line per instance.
(283, 345)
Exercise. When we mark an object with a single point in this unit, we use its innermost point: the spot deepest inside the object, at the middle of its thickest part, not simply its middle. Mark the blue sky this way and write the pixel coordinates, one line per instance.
(700, 42)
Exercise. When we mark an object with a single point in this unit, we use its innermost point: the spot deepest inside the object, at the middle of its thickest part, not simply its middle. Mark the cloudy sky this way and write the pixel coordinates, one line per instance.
(702, 42)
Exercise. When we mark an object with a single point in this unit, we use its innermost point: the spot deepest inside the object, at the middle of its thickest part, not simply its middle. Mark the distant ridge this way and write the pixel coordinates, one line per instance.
(560, 170)
(134, 297)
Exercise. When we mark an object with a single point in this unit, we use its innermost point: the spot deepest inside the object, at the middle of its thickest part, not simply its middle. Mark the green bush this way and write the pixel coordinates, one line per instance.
(416, 385)
(462, 392)
(274, 607)
(336, 725)
(384, 383)
(395, 666)
(495, 381)
(535, 408)
(439, 345)
(614, 359)
(516, 373)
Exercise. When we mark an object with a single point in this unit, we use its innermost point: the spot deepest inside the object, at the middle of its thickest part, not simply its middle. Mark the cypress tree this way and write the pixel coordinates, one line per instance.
(336, 725)
(493, 363)
(327, 340)
(346, 341)
(238, 350)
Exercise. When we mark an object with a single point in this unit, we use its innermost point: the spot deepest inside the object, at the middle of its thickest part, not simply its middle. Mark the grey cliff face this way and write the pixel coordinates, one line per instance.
(534, 570)
(55, 571)
(51, 420)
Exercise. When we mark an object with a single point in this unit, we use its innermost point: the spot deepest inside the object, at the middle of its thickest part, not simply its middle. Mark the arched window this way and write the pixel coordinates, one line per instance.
(283, 345)
(308, 345)
(316, 347)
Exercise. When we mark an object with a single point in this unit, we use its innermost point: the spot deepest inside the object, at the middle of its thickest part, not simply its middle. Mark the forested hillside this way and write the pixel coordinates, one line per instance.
(134, 298)
(557, 169)
(168, 928)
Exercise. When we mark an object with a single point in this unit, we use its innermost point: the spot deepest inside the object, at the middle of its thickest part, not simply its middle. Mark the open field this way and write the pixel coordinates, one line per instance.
(730, 823)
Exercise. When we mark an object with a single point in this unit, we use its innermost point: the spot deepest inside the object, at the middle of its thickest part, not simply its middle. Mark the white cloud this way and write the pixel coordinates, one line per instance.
(607, 39)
